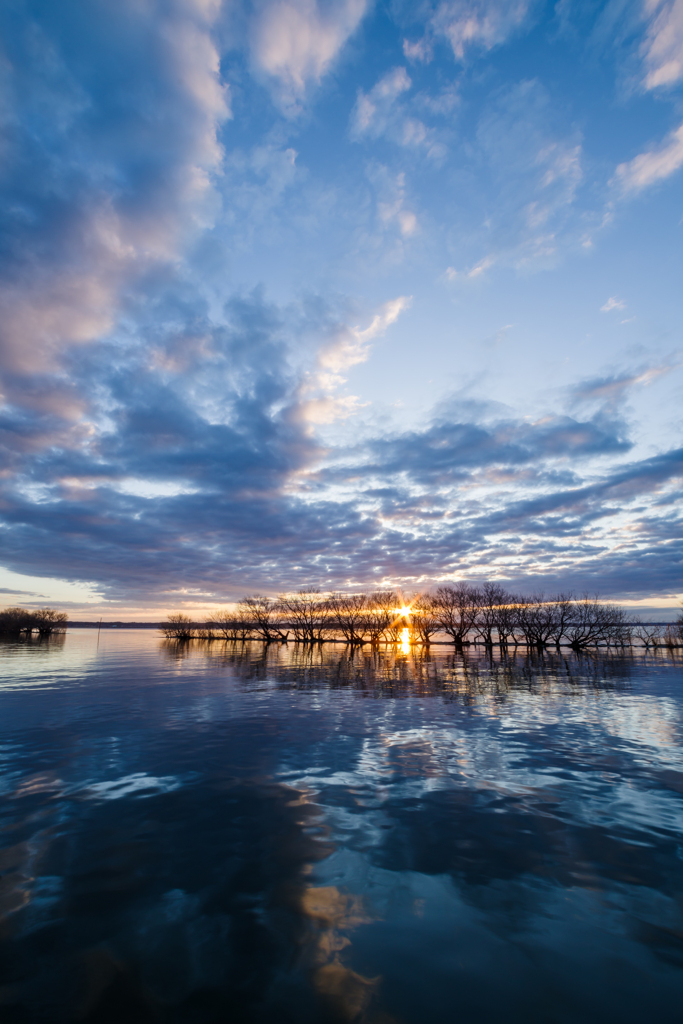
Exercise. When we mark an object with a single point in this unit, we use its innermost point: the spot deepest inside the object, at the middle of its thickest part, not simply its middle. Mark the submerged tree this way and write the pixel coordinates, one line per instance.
(673, 636)
(649, 633)
(424, 615)
(399, 619)
(306, 612)
(678, 625)
(456, 610)
(49, 620)
(506, 620)
(379, 614)
(226, 625)
(348, 613)
(489, 598)
(260, 614)
(544, 621)
(178, 626)
(486, 614)
(44, 621)
(593, 622)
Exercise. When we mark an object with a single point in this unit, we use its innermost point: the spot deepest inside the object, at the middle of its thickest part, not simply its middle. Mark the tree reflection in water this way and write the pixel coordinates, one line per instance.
(423, 670)
(252, 833)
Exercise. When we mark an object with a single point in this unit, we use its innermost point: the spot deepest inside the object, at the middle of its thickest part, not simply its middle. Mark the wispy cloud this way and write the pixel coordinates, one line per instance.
(469, 25)
(652, 166)
(479, 23)
(295, 42)
(348, 346)
(394, 216)
(382, 113)
(612, 303)
(374, 109)
(536, 175)
(662, 49)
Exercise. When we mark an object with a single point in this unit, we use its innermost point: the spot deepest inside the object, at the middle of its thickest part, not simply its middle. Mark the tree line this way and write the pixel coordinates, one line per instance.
(465, 614)
(44, 621)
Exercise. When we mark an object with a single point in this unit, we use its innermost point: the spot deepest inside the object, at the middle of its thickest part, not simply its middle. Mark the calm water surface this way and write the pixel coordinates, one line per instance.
(241, 834)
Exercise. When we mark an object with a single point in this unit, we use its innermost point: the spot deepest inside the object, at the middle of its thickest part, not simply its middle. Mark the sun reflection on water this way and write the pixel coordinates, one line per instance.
(405, 641)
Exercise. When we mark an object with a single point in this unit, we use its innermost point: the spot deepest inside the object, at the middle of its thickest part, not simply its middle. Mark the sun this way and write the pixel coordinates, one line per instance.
(405, 610)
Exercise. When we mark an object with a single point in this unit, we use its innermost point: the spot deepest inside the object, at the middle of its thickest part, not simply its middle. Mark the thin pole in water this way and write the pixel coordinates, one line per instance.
(98, 634)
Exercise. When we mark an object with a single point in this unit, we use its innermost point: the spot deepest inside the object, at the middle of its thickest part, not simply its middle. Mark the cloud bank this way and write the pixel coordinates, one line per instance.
(203, 252)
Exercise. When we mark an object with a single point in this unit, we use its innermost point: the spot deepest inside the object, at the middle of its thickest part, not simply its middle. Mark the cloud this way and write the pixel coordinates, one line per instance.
(101, 184)
(170, 434)
(347, 347)
(393, 214)
(421, 50)
(450, 449)
(612, 303)
(192, 454)
(295, 42)
(241, 495)
(380, 113)
(606, 395)
(483, 24)
(535, 174)
(470, 25)
(394, 210)
(373, 109)
(662, 49)
(472, 272)
(654, 165)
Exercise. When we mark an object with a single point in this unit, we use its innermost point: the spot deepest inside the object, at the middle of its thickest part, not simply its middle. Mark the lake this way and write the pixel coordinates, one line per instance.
(239, 833)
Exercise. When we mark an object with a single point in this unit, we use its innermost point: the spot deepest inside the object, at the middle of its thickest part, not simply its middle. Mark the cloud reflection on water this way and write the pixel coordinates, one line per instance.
(318, 835)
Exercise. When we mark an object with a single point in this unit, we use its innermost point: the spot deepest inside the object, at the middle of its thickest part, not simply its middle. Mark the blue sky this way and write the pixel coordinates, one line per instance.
(340, 293)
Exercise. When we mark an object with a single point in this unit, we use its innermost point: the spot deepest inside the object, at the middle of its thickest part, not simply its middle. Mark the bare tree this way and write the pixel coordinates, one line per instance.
(456, 608)
(22, 620)
(672, 637)
(490, 597)
(178, 627)
(649, 633)
(380, 612)
(16, 620)
(542, 621)
(205, 632)
(593, 622)
(506, 619)
(561, 617)
(229, 625)
(425, 618)
(307, 614)
(262, 616)
(49, 620)
(348, 614)
(399, 621)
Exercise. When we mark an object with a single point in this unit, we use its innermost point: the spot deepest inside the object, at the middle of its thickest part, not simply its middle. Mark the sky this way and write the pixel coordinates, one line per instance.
(339, 293)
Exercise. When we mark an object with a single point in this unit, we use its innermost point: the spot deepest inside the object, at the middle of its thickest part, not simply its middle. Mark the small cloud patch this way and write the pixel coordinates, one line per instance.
(612, 303)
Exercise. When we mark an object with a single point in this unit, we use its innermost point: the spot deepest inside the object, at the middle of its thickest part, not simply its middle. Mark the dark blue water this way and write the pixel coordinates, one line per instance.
(242, 834)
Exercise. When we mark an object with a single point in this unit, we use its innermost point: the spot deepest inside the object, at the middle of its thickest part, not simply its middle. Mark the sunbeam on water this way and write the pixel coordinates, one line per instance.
(235, 832)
